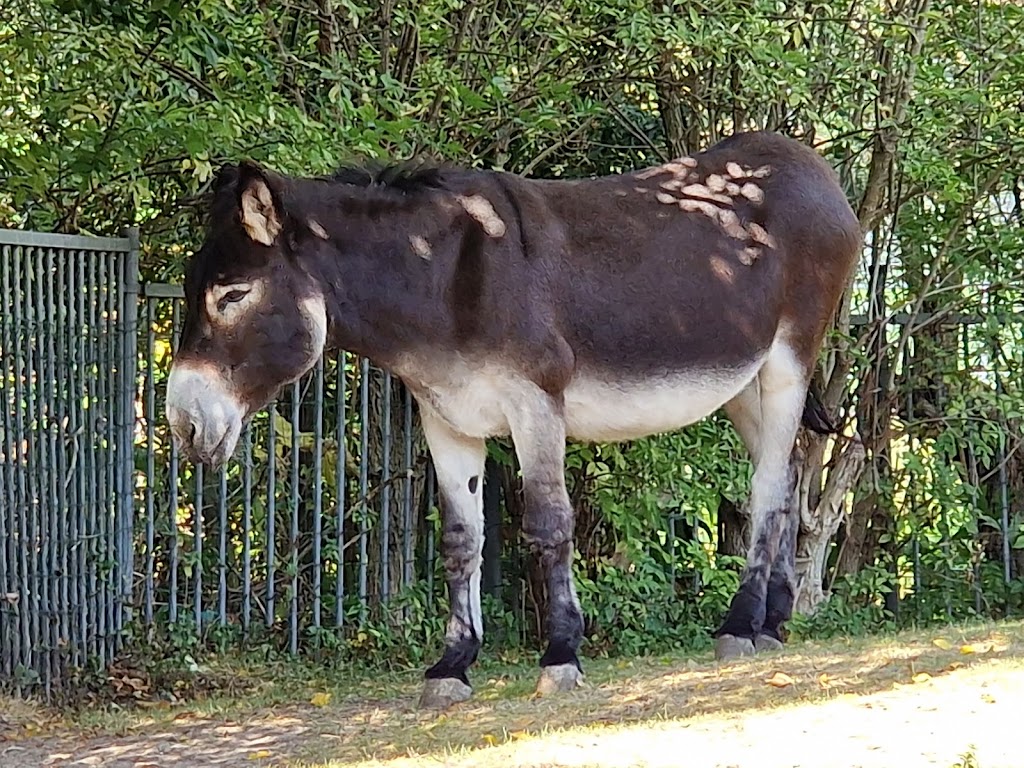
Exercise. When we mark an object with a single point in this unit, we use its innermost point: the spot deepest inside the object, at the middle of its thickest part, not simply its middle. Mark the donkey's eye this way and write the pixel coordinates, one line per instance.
(230, 298)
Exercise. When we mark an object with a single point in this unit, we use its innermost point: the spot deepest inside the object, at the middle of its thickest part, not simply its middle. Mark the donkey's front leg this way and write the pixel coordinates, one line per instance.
(459, 465)
(538, 431)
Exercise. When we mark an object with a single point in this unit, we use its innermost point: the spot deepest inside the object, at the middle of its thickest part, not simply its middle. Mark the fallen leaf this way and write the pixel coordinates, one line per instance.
(490, 740)
(320, 699)
(824, 680)
(954, 665)
(921, 677)
(942, 643)
(968, 649)
(259, 755)
(520, 734)
(988, 698)
(780, 680)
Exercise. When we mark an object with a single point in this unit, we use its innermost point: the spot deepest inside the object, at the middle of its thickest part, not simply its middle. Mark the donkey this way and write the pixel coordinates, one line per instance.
(599, 309)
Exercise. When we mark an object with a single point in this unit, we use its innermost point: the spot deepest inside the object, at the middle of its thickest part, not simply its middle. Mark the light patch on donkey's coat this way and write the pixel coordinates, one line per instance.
(232, 312)
(317, 229)
(480, 208)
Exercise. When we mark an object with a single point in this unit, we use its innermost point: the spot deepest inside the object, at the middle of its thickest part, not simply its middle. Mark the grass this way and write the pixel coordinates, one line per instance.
(300, 715)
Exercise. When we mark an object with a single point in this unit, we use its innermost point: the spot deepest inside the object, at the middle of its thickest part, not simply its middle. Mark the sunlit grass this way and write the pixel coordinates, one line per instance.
(304, 714)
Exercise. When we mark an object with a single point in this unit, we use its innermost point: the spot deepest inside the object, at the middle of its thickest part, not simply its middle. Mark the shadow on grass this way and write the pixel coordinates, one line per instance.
(359, 726)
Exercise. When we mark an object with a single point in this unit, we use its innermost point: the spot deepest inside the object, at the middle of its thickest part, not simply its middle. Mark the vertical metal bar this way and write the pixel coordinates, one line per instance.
(116, 448)
(222, 548)
(672, 549)
(430, 526)
(339, 473)
(23, 649)
(150, 460)
(247, 530)
(385, 506)
(115, 445)
(973, 479)
(113, 452)
(9, 514)
(407, 522)
(41, 542)
(122, 391)
(55, 500)
(293, 613)
(1004, 496)
(944, 529)
(100, 401)
(62, 385)
(121, 386)
(83, 442)
(103, 419)
(93, 495)
(76, 470)
(172, 483)
(271, 509)
(696, 585)
(129, 335)
(911, 484)
(364, 450)
(32, 506)
(318, 451)
(197, 551)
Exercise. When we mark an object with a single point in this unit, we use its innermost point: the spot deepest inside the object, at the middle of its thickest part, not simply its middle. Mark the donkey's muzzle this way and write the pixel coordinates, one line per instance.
(204, 414)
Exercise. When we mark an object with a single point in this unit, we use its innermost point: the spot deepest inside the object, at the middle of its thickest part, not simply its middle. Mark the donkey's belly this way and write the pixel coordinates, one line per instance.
(602, 411)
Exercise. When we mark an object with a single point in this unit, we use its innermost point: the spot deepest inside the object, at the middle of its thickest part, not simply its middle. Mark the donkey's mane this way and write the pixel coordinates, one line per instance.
(391, 183)
(407, 178)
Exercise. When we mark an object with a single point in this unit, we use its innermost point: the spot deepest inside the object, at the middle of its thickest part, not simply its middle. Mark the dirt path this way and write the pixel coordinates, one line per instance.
(973, 713)
(905, 704)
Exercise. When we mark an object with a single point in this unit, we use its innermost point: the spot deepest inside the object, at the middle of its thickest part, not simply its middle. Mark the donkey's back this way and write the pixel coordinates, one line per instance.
(650, 299)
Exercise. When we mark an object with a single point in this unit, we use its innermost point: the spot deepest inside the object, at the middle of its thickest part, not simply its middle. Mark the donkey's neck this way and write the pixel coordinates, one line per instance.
(384, 272)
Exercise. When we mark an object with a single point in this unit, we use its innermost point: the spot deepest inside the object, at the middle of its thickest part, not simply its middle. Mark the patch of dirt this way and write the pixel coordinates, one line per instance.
(921, 702)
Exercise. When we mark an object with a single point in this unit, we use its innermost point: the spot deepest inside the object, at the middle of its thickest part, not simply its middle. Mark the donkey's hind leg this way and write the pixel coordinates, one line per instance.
(767, 415)
(538, 432)
(459, 465)
(781, 586)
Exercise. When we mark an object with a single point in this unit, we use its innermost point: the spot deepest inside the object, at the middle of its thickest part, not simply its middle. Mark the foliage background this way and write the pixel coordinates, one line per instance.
(116, 112)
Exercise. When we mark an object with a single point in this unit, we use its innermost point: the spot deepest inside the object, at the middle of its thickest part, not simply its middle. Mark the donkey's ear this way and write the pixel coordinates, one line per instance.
(259, 204)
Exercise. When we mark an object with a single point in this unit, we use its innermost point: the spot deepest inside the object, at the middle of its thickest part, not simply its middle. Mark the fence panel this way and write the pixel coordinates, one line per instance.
(67, 341)
(323, 520)
(317, 523)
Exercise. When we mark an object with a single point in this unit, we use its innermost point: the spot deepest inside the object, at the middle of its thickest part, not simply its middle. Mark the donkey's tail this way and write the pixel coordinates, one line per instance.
(815, 417)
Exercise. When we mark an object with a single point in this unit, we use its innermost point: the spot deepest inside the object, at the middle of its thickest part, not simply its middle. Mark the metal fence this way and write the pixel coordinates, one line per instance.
(319, 521)
(67, 353)
(325, 523)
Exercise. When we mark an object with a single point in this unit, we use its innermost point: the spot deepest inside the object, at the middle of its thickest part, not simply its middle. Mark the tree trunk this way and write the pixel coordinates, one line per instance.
(733, 529)
(820, 518)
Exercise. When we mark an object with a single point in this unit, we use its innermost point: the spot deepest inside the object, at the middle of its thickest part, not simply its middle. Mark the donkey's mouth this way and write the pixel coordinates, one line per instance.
(214, 457)
(206, 418)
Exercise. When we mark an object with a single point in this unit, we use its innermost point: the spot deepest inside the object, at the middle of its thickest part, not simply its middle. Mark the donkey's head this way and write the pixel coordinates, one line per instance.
(255, 319)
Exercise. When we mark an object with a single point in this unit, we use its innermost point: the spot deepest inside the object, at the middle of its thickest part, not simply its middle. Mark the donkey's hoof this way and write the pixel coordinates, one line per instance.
(729, 647)
(558, 678)
(767, 644)
(442, 692)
